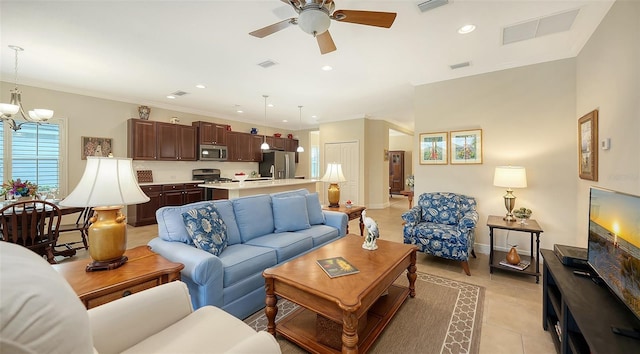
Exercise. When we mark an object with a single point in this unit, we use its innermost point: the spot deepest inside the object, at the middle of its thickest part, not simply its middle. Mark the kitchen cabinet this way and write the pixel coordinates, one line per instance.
(149, 140)
(141, 139)
(276, 143)
(211, 133)
(291, 145)
(162, 195)
(244, 147)
(176, 142)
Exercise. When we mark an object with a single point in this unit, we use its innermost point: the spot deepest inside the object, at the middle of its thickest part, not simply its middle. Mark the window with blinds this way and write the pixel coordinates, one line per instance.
(34, 155)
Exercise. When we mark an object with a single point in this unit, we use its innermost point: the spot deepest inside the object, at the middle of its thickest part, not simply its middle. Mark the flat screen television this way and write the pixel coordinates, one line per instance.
(614, 243)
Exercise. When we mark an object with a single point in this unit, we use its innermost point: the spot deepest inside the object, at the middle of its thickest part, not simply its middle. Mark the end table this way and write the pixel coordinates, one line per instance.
(353, 213)
(532, 227)
(144, 270)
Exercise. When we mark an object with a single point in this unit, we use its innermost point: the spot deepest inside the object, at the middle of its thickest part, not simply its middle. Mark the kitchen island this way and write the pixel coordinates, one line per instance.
(230, 190)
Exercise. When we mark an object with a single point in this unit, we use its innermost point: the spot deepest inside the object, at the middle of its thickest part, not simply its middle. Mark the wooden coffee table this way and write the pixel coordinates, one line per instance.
(144, 270)
(345, 313)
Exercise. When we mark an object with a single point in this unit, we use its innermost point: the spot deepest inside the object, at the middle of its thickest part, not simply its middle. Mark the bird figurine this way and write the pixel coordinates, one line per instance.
(372, 232)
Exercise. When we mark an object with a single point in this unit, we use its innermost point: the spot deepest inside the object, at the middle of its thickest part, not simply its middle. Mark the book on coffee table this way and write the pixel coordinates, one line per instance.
(336, 267)
(520, 266)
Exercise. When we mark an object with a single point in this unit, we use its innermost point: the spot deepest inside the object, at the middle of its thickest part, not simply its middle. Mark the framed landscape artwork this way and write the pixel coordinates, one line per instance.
(466, 147)
(433, 148)
(92, 146)
(588, 146)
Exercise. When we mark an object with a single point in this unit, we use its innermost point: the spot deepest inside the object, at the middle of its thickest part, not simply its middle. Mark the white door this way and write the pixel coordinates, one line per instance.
(347, 154)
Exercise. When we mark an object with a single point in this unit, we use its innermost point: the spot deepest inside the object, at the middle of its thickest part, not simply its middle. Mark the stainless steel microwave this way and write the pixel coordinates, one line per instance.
(212, 153)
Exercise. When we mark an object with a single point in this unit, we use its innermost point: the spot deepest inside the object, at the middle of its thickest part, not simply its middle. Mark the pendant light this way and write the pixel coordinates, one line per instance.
(264, 145)
(8, 110)
(300, 148)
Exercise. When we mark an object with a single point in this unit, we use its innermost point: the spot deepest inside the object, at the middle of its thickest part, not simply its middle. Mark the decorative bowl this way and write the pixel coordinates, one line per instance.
(277, 135)
(241, 178)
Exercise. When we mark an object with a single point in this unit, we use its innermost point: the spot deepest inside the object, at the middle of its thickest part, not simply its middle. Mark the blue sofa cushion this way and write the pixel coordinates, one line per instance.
(292, 193)
(290, 214)
(442, 208)
(316, 216)
(254, 216)
(321, 234)
(242, 261)
(286, 244)
(206, 228)
(225, 209)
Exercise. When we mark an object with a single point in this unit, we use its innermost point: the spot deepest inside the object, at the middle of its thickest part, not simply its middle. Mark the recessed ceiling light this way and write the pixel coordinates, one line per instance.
(201, 86)
(285, 121)
(270, 105)
(239, 110)
(314, 116)
(171, 97)
(327, 68)
(466, 29)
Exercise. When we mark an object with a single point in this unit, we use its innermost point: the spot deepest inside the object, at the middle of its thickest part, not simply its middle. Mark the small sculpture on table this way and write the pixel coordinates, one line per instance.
(372, 233)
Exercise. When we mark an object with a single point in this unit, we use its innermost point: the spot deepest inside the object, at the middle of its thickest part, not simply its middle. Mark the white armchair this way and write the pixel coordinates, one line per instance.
(40, 313)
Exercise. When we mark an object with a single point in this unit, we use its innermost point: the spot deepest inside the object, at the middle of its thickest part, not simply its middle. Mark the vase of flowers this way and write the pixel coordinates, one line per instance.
(410, 182)
(16, 189)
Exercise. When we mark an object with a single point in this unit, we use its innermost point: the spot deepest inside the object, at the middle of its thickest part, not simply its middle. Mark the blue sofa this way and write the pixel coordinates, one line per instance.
(262, 231)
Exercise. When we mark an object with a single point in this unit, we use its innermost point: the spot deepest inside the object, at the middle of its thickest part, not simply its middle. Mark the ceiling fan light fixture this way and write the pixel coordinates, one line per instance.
(314, 21)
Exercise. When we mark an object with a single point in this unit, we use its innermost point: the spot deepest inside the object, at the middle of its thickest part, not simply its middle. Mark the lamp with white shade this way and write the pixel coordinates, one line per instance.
(334, 175)
(107, 185)
(510, 177)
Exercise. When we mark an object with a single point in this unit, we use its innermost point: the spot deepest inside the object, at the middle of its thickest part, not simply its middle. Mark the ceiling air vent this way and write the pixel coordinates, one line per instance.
(267, 63)
(431, 4)
(179, 93)
(459, 65)
(539, 27)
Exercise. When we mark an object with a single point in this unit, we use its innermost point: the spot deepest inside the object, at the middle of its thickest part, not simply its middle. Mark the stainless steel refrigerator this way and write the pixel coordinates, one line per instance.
(283, 162)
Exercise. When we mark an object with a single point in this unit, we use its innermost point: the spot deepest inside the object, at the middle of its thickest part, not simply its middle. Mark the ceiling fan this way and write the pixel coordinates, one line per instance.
(314, 17)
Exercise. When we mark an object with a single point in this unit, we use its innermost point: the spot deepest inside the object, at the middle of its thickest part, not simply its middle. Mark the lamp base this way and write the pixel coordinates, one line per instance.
(334, 195)
(106, 265)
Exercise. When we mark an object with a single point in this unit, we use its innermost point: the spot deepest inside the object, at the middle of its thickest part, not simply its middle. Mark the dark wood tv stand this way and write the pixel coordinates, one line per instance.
(584, 312)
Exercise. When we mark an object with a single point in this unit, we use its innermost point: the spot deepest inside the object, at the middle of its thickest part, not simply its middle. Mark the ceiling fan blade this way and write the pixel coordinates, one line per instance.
(369, 18)
(325, 42)
(265, 31)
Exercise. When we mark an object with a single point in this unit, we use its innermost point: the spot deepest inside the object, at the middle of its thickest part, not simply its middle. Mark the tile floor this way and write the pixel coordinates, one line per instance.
(512, 321)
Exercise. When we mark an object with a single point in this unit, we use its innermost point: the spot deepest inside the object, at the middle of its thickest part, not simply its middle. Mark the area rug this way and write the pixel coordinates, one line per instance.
(444, 317)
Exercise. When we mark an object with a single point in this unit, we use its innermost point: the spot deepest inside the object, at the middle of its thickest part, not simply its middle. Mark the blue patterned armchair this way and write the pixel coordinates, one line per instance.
(442, 224)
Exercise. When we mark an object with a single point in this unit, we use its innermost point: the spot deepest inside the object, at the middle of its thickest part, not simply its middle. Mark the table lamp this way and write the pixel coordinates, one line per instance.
(510, 177)
(334, 176)
(107, 185)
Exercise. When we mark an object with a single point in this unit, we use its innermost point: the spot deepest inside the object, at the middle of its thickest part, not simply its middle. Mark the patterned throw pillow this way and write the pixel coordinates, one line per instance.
(206, 228)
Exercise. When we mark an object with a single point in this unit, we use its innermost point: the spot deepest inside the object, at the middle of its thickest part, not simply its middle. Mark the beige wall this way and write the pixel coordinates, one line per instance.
(90, 116)
(529, 117)
(608, 78)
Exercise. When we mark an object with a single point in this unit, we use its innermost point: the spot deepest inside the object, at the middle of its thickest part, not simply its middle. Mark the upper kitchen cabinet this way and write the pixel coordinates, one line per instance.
(150, 140)
(176, 142)
(211, 133)
(141, 144)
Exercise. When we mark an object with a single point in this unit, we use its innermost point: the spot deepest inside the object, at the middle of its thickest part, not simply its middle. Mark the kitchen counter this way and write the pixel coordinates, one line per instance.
(228, 190)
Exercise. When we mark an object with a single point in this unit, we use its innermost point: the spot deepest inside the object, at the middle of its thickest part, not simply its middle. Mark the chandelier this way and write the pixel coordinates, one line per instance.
(8, 110)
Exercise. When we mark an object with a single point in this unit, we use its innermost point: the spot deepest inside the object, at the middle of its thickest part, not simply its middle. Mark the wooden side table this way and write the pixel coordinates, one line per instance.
(144, 270)
(352, 213)
(532, 227)
(409, 195)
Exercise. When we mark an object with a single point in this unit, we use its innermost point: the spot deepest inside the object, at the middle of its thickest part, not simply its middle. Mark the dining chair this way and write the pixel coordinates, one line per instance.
(33, 224)
(81, 225)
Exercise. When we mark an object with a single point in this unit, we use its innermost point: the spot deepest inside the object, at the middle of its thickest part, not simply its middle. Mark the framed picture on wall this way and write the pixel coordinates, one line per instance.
(588, 146)
(433, 148)
(92, 146)
(466, 147)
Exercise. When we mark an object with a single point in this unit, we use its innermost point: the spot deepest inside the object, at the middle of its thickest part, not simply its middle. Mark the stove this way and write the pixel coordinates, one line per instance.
(208, 175)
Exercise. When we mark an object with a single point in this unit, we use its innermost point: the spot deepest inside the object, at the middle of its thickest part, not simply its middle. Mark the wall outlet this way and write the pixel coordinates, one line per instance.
(605, 144)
